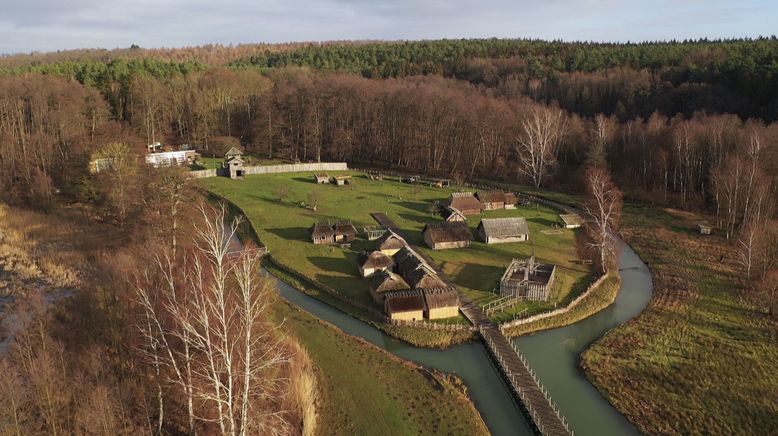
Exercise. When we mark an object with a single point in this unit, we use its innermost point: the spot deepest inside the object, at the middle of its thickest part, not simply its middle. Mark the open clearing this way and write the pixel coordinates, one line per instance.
(274, 205)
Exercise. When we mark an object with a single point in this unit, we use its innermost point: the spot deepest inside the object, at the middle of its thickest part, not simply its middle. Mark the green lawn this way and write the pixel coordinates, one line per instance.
(366, 391)
(274, 203)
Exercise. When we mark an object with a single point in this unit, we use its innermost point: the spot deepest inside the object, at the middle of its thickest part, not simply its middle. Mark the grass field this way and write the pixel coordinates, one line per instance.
(274, 205)
(364, 390)
(699, 359)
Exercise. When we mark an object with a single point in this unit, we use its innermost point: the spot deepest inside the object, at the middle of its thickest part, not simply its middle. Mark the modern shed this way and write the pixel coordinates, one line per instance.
(501, 230)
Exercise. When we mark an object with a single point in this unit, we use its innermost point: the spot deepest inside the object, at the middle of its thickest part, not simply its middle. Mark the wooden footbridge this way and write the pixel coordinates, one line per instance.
(516, 372)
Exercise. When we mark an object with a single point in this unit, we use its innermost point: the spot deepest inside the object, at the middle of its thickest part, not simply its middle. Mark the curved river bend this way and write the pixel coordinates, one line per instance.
(553, 354)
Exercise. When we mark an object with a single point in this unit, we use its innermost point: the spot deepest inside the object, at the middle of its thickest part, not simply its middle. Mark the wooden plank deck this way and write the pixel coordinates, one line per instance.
(524, 384)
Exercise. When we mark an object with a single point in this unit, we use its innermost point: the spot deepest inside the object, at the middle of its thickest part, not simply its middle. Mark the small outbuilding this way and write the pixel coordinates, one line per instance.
(410, 179)
(322, 233)
(528, 279)
(465, 202)
(344, 231)
(341, 180)
(390, 243)
(233, 167)
(442, 236)
(232, 152)
(511, 200)
(440, 183)
(705, 228)
(492, 200)
(321, 178)
(375, 175)
(405, 306)
(441, 303)
(372, 233)
(502, 230)
(375, 262)
(571, 220)
(383, 282)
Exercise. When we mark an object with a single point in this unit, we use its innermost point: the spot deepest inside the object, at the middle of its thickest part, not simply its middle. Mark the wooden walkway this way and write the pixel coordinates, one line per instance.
(523, 382)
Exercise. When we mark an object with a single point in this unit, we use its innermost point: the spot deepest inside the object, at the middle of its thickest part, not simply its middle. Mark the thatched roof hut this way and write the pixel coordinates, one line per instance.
(344, 231)
(441, 236)
(491, 200)
(571, 220)
(374, 262)
(441, 303)
(322, 233)
(390, 243)
(321, 178)
(465, 202)
(408, 306)
(511, 200)
(500, 230)
(454, 215)
(386, 281)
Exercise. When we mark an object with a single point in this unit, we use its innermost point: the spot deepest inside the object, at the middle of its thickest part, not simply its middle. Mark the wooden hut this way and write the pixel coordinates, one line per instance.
(375, 175)
(344, 231)
(410, 179)
(453, 215)
(322, 233)
(321, 178)
(232, 152)
(440, 183)
(390, 243)
(571, 220)
(341, 180)
(374, 262)
(705, 228)
(441, 303)
(233, 167)
(492, 200)
(415, 270)
(442, 236)
(502, 230)
(528, 279)
(465, 202)
(405, 306)
(511, 200)
(383, 282)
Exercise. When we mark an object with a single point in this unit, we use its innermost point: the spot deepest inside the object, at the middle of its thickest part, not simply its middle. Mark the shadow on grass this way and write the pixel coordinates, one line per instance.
(292, 233)
(483, 278)
(426, 219)
(417, 206)
(333, 264)
(305, 180)
(541, 221)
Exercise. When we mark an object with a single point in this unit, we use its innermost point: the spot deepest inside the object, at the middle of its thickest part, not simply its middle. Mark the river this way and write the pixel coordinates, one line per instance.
(553, 354)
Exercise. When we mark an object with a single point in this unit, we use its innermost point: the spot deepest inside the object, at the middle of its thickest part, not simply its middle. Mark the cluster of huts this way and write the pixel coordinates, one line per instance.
(324, 178)
(467, 203)
(341, 232)
(404, 283)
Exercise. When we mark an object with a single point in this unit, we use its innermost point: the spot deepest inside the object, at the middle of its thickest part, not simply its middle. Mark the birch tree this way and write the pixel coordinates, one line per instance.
(603, 208)
(541, 132)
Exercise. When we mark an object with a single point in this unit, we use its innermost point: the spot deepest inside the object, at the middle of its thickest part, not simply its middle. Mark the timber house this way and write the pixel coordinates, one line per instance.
(442, 236)
(465, 202)
(502, 230)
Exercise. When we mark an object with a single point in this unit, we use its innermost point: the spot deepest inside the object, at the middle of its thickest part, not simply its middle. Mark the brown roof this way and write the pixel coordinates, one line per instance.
(571, 219)
(448, 232)
(511, 198)
(423, 277)
(390, 241)
(464, 201)
(321, 176)
(233, 151)
(345, 228)
(404, 303)
(377, 259)
(491, 197)
(436, 298)
(386, 281)
(322, 229)
(504, 227)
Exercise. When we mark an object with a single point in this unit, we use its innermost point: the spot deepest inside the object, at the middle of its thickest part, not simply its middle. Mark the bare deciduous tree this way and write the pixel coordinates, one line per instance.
(541, 133)
(603, 207)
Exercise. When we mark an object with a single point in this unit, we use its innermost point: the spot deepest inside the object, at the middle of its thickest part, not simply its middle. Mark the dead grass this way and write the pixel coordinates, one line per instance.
(700, 359)
(304, 393)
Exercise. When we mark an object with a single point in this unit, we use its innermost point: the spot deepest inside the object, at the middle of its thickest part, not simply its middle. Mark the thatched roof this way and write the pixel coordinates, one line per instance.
(406, 302)
(491, 197)
(322, 176)
(436, 298)
(423, 277)
(571, 219)
(387, 281)
(345, 228)
(235, 158)
(453, 214)
(322, 229)
(407, 260)
(448, 232)
(511, 198)
(504, 227)
(390, 241)
(464, 201)
(376, 259)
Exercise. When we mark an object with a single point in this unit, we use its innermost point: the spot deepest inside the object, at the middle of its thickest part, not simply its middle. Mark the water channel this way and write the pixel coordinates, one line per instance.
(553, 354)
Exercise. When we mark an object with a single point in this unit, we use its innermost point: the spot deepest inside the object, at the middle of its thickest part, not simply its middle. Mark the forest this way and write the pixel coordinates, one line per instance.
(691, 125)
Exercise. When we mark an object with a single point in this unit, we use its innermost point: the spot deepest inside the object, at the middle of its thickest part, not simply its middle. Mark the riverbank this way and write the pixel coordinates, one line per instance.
(700, 359)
